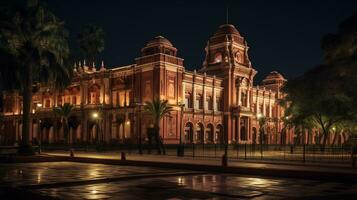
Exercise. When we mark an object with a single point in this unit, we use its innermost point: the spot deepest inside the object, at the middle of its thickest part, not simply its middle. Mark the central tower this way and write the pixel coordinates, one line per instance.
(227, 58)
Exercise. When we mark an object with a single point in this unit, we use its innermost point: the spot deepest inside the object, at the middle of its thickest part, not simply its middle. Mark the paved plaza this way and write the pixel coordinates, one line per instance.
(70, 180)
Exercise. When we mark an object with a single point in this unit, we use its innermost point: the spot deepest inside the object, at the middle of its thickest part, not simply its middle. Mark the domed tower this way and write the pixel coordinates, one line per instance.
(274, 81)
(159, 70)
(159, 45)
(226, 48)
(227, 58)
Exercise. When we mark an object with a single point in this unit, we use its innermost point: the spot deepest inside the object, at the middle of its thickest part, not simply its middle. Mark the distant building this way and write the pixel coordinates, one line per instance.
(220, 100)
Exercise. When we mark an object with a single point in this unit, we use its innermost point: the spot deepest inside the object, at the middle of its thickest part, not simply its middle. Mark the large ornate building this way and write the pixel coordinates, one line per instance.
(214, 103)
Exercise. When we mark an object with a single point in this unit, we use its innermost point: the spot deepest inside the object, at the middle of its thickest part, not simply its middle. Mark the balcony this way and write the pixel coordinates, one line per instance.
(242, 109)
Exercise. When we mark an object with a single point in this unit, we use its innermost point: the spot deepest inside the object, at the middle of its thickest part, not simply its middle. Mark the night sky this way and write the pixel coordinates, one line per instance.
(282, 35)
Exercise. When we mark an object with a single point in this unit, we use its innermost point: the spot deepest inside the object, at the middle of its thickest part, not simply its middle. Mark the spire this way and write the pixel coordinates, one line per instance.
(85, 67)
(226, 14)
(93, 67)
(102, 67)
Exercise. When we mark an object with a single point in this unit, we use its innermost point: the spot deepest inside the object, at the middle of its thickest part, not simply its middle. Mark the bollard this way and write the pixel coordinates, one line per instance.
(123, 156)
(245, 151)
(71, 151)
(224, 160)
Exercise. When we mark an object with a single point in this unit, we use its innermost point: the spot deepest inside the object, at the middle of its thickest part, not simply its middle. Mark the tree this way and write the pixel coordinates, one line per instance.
(64, 113)
(34, 42)
(91, 42)
(325, 96)
(158, 109)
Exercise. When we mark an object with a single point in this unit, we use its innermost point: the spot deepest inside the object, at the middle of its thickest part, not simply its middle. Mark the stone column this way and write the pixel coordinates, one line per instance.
(183, 93)
(204, 96)
(214, 99)
(248, 97)
(193, 95)
(257, 101)
(239, 96)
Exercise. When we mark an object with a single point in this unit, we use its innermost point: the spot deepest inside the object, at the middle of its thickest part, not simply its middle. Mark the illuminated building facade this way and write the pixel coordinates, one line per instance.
(218, 101)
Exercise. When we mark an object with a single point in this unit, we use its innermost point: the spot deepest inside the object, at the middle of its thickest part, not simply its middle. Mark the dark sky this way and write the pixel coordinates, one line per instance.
(282, 35)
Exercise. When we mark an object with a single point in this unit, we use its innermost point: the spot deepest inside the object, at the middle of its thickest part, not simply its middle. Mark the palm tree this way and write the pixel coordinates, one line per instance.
(158, 109)
(64, 112)
(36, 42)
(91, 42)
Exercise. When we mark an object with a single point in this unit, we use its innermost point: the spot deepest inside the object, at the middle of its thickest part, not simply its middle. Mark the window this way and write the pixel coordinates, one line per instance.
(47, 103)
(209, 103)
(127, 100)
(219, 103)
(74, 100)
(254, 107)
(94, 98)
(114, 98)
(59, 100)
(68, 99)
(199, 102)
(243, 98)
(188, 103)
(122, 99)
(239, 57)
(218, 57)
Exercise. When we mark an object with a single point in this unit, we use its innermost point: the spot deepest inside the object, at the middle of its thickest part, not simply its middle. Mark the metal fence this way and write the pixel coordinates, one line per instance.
(301, 153)
(297, 153)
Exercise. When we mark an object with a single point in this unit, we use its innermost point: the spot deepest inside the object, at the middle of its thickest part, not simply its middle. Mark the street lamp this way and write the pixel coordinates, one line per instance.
(96, 117)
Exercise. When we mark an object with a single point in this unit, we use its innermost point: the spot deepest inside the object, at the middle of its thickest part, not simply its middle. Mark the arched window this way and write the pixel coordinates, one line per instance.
(199, 133)
(244, 98)
(209, 137)
(239, 57)
(94, 94)
(188, 133)
(218, 57)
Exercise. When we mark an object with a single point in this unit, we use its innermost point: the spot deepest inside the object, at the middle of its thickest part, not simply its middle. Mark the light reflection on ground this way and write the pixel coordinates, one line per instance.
(194, 186)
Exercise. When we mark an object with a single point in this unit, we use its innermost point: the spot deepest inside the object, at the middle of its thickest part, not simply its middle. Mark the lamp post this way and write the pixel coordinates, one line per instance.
(39, 105)
(138, 129)
(96, 117)
(40, 137)
(180, 150)
(261, 126)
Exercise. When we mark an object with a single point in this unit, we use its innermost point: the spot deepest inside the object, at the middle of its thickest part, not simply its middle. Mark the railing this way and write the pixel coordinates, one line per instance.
(341, 155)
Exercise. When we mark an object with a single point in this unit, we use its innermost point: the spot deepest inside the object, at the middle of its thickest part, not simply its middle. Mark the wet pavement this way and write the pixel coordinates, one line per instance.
(67, 180)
